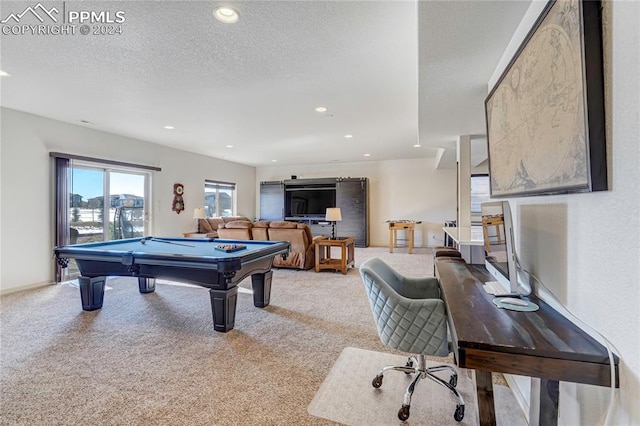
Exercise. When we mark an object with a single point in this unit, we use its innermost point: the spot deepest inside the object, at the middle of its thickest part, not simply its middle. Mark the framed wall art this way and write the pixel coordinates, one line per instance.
(545, 115)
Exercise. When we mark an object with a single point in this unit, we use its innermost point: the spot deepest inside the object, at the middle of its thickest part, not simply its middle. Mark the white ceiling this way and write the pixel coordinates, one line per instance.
(380, 69)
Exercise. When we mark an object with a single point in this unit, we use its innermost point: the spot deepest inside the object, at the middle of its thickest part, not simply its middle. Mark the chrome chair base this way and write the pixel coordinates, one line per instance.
(418, 366)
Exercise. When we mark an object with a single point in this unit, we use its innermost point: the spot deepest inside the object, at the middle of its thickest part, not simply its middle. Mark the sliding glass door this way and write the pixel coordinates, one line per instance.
(127, 209)
(86, 205)
(98, 200)
(105, 204)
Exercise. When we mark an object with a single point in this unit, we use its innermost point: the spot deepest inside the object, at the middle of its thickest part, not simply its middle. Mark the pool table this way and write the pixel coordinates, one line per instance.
(216, 264)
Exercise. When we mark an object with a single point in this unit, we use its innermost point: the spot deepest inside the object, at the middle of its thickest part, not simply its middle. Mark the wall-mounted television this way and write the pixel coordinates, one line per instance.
(309, 202)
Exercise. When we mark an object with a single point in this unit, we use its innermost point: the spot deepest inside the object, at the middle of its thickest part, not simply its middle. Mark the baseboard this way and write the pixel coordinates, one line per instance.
(5, 291)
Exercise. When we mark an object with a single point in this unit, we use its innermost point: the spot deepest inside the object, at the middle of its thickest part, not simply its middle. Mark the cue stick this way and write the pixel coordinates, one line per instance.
(166, 242)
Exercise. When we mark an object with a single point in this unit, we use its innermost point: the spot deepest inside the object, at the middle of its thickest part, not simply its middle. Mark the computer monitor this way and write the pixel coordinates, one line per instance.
(500, 257)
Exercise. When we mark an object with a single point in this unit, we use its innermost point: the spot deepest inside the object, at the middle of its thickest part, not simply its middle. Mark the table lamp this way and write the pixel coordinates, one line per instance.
(198, 213)
(333, 214)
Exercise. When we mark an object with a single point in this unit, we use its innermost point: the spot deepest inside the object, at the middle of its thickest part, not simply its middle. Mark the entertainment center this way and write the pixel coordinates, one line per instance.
(306, 201)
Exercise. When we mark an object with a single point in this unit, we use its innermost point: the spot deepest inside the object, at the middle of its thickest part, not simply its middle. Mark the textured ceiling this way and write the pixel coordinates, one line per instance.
(382, 69)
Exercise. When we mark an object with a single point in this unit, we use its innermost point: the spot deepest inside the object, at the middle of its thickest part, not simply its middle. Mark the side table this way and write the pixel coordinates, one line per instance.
(323, 254)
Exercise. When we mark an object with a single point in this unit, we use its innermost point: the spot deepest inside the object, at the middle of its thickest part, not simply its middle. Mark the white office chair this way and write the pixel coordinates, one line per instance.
(410, 317)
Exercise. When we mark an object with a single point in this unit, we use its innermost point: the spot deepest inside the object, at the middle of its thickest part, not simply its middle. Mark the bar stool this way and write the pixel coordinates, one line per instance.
(444, 252)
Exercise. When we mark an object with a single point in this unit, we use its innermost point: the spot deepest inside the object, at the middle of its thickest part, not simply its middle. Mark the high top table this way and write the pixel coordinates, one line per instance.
(541, 344)
(469, 241)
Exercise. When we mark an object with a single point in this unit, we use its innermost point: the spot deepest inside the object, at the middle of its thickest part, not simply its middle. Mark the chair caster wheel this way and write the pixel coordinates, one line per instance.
(453, 381)
(377, 381)
(403, 413)
(459, 414)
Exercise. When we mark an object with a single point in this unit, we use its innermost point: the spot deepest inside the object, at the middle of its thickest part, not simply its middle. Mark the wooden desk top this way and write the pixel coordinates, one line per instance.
(537, 344)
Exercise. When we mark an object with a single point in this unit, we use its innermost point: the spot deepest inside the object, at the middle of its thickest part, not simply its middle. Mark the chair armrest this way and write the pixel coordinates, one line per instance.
(419, 288)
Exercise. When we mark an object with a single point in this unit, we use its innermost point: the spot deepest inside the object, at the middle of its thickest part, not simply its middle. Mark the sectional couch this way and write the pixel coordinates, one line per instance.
(209, 226)
(302, 252)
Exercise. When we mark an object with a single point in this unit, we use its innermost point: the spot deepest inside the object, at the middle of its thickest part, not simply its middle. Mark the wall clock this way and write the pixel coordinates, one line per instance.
(178, 201)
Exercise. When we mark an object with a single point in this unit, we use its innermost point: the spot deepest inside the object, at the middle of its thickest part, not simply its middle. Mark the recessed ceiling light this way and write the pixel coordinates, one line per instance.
(321, 109)
(4, 74)
(348, 136)
(367, 155)
(417, 145)
(226, 14)
(169, 127)
(274, 160)
(229, 146)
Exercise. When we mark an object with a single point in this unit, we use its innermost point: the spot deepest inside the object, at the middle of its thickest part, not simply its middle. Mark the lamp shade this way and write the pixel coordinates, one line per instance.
(333, 214)
(198, 213)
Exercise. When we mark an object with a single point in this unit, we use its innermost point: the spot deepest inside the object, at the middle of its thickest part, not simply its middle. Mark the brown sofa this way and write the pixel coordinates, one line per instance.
(260, 230)
(210, 225)
(302, 251)
(236, 230)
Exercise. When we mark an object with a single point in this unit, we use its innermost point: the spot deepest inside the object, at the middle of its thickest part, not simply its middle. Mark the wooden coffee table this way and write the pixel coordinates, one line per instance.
(323, 254)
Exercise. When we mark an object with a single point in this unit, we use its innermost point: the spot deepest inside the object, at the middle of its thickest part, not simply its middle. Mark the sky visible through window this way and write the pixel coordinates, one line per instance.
(88, 183)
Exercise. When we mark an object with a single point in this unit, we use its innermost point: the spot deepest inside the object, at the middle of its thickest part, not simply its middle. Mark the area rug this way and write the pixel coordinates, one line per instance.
(347, 396)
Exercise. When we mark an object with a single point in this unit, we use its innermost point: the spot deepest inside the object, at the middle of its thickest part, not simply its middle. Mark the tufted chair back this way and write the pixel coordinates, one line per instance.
(408, 312)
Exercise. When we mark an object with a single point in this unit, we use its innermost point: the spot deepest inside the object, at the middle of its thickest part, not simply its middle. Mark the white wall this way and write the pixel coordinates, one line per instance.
(27, 226)
(586, 247)
(398, 189)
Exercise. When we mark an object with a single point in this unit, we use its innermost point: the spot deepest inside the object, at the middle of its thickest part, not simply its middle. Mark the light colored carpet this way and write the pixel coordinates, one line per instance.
(347, 396)
(155, 358)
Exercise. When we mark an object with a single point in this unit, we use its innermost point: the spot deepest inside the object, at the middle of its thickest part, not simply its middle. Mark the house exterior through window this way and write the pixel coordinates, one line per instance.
(219, 198)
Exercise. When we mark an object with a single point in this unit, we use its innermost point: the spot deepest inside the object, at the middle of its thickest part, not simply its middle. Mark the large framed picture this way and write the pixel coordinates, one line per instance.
(545, 115)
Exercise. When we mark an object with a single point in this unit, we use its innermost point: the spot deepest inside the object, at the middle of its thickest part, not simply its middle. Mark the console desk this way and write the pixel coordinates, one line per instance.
(541, 344)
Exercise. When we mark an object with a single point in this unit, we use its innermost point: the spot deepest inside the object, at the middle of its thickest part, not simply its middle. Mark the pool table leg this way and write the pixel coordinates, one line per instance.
(92, 292)
(146, 285)
(261, 284)
(223, 308)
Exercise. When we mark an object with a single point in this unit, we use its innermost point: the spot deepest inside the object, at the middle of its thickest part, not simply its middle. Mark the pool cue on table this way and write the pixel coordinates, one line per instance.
(144, 240)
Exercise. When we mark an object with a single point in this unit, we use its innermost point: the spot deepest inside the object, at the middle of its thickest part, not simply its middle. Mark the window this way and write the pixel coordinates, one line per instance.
(219, 198)
(479, 195)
